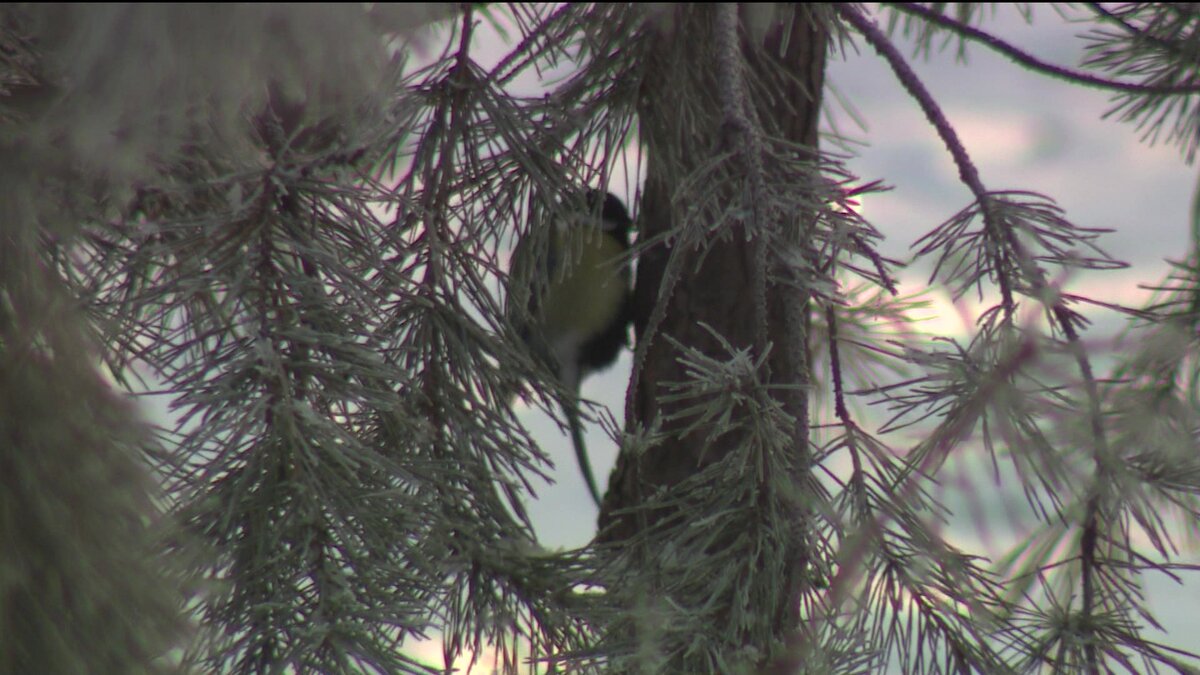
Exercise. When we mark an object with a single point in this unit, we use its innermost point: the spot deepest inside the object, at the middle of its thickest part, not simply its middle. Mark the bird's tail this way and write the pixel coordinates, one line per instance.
(571, 410)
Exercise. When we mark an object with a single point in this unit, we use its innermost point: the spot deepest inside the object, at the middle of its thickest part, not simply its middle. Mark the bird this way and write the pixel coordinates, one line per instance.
(577, 298)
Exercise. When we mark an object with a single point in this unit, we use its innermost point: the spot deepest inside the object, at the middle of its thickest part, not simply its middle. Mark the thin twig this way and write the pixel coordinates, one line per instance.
(746, 142)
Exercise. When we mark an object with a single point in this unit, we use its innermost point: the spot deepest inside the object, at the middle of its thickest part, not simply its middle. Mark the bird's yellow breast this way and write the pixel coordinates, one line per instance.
(586, 290)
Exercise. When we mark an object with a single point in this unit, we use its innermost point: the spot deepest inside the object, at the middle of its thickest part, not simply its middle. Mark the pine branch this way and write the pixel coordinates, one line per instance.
(1017, 55)
(744, 140)
(967, 172)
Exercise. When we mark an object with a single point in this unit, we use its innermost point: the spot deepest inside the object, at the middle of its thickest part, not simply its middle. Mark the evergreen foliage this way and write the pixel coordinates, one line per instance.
(296, 221)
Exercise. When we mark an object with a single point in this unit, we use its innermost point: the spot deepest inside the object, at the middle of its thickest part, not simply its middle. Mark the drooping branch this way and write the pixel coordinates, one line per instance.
(1039, 287)
(967, 172)
(1035, 64)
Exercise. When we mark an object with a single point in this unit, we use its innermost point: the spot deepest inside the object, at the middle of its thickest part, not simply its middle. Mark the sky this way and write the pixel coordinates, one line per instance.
(1024, 132)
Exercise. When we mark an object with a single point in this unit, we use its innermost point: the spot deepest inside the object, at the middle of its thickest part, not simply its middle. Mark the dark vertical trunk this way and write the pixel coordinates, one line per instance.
(716, 287)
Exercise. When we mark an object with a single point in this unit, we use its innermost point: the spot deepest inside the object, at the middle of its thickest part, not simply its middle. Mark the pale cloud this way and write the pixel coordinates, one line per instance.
(996, 139)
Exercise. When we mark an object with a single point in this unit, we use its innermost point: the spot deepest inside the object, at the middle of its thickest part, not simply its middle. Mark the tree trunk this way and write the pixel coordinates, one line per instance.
(684, 123)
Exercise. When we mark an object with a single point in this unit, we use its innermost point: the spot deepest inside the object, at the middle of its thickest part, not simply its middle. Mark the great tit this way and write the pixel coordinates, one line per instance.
(578, 299)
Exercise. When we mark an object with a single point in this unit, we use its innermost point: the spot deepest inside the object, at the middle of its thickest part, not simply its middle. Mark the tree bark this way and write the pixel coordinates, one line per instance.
(683, 124)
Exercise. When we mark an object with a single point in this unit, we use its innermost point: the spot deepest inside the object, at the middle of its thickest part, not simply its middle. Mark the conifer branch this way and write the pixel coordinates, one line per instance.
(1033, 63)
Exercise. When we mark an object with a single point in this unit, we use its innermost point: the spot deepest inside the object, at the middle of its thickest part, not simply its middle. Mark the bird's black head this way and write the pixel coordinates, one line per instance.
(614, 216)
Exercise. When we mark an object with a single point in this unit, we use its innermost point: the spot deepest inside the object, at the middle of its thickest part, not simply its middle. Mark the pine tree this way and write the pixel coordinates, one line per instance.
(296, 221)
